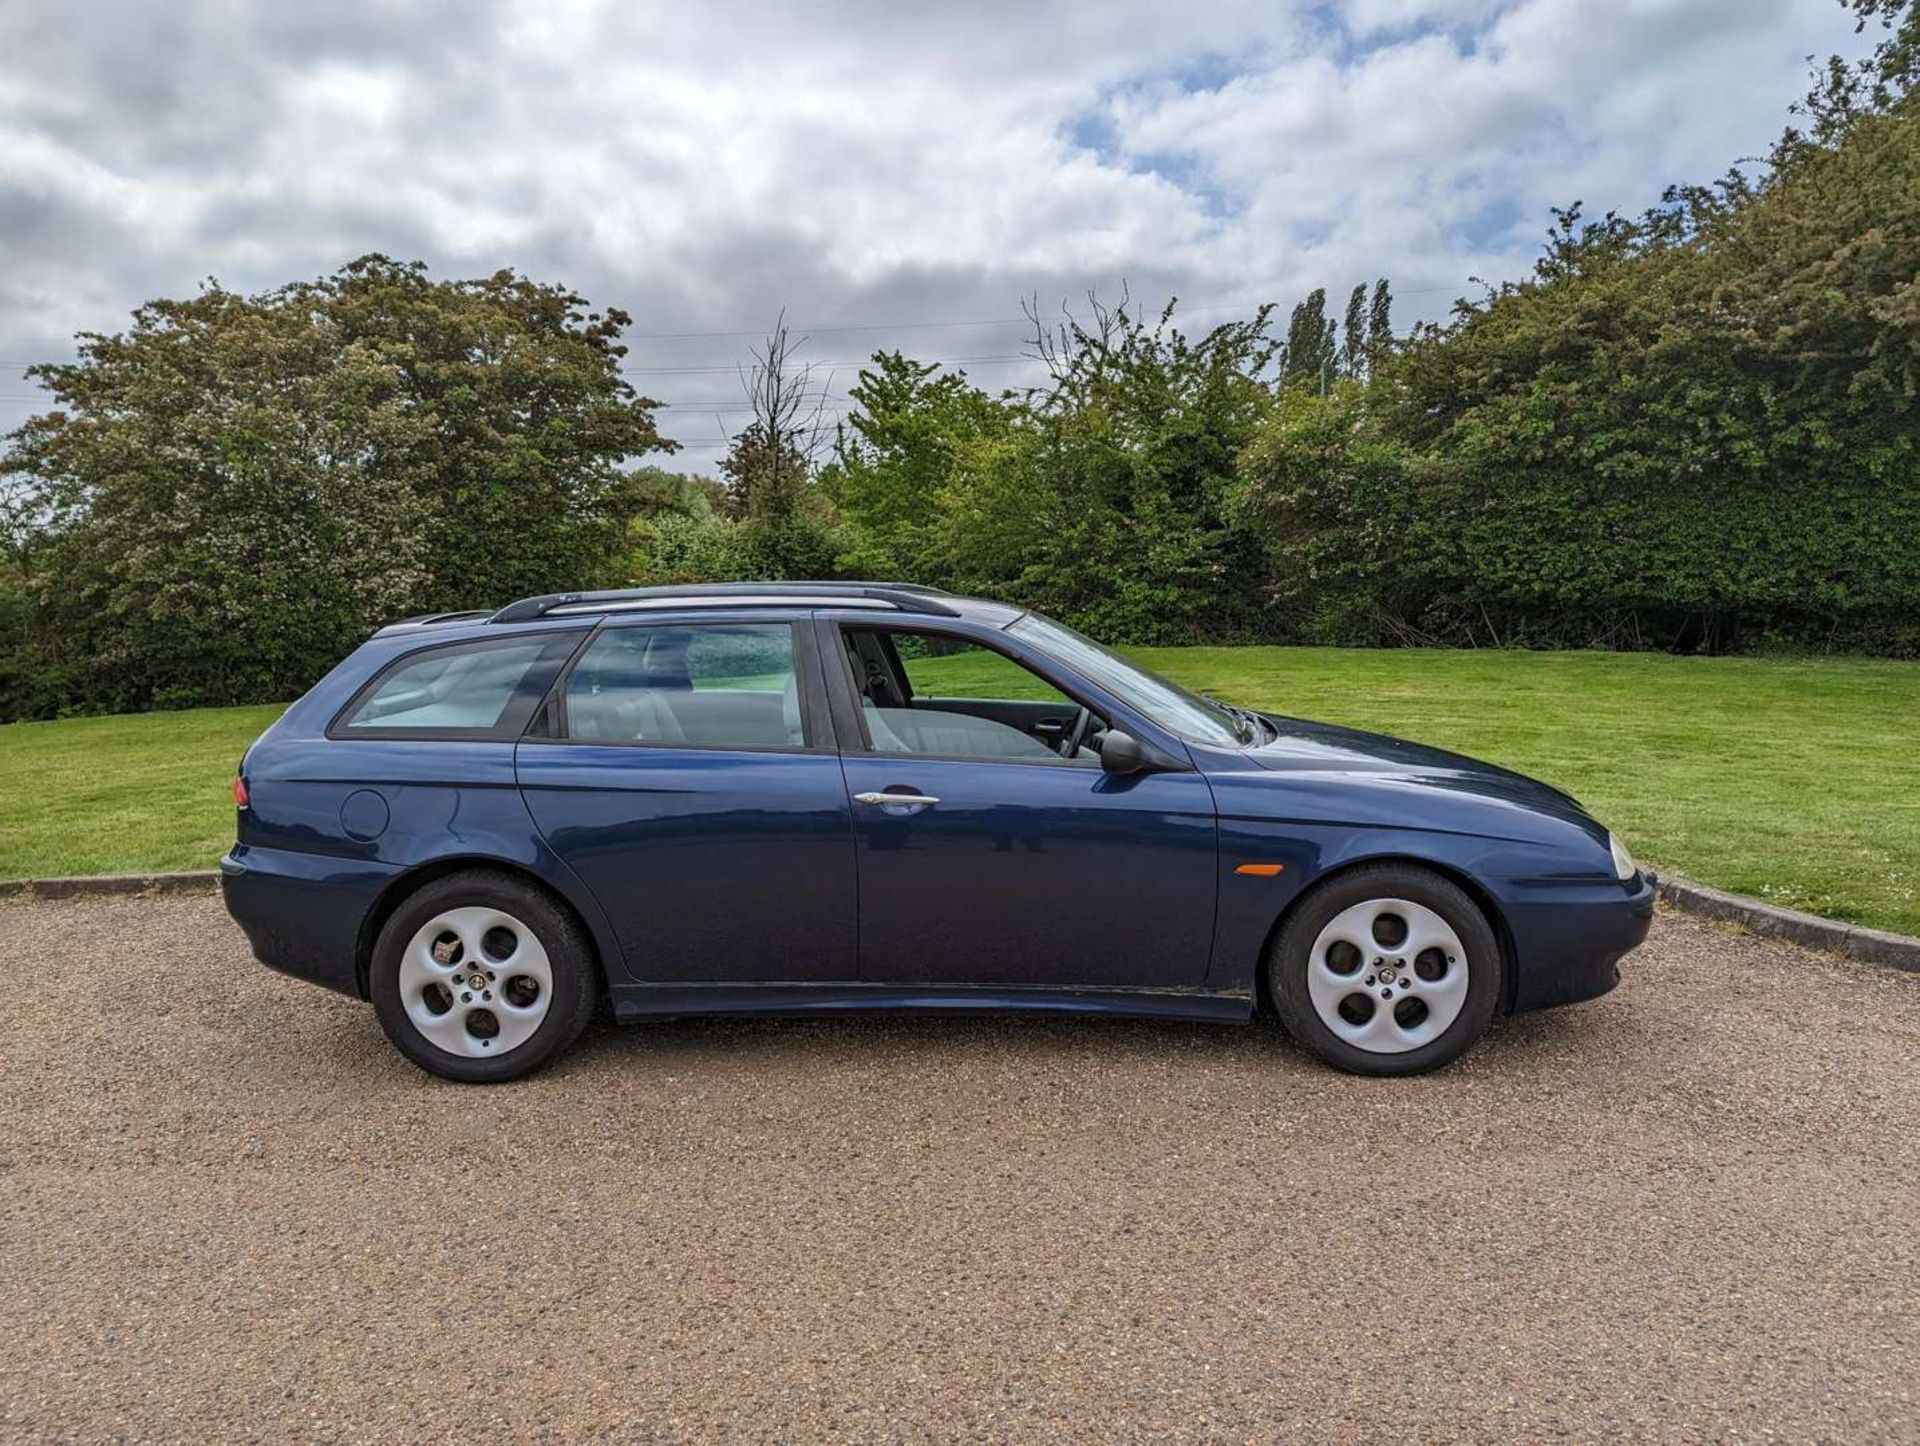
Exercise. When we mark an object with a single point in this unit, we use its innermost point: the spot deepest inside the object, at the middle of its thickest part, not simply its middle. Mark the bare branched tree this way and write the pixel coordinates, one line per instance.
(1113, 343)
(774, 454)
(1066, 347)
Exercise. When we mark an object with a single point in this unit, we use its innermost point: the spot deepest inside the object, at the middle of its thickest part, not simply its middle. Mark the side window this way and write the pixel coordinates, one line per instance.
(940, 667)
(948, 697)
(700, 686)
(481, 690)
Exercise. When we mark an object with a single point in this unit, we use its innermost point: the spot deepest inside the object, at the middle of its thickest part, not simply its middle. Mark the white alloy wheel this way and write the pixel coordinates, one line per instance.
(475, 982)
(1387, 975)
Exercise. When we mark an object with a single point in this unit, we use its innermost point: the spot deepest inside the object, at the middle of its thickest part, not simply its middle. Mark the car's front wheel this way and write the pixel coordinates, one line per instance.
(1388, 969)
(481, 977)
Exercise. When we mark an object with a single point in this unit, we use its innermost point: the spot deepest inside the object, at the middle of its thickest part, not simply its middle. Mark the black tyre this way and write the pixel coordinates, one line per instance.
(481, 977)
(1388, 969)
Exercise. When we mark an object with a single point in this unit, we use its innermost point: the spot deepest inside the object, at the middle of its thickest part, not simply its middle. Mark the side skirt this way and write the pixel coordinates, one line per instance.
(633, 1002)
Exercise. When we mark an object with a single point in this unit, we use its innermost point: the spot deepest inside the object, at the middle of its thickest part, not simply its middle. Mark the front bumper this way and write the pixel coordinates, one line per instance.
(1568, 939)
(303, 913)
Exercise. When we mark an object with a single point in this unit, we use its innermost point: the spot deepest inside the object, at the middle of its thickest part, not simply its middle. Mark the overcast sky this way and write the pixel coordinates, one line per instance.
(887, 166)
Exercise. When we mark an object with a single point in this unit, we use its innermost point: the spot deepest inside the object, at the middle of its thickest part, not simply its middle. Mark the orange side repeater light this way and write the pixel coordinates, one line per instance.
(1260, 871)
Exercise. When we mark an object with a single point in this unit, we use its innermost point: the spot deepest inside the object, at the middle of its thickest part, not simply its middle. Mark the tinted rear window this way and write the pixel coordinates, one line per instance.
(486, 689)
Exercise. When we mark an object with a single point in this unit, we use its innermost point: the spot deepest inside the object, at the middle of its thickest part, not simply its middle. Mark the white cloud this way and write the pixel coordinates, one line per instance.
(703, 165)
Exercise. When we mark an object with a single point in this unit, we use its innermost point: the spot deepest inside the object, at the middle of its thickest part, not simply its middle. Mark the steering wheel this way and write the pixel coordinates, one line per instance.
(1076, 735)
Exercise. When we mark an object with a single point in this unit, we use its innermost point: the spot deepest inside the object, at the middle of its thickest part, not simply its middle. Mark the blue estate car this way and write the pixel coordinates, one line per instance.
(824, 796)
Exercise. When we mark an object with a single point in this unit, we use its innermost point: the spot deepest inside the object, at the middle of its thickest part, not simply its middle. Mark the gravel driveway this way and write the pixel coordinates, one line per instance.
(227, 1209)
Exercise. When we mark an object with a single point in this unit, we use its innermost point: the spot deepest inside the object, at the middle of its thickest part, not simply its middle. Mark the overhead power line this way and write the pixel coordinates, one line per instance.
(980, 321)
(756, 331)
(1004, 359)
(991, 359)
(719, 405)
(944, 361)
(873, 326)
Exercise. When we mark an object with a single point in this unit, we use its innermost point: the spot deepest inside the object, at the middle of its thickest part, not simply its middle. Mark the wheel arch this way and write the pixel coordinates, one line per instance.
(1470, 886)
(403, 886)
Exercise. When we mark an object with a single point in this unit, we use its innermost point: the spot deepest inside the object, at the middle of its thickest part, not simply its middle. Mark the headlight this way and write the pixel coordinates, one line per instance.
(1622, 860)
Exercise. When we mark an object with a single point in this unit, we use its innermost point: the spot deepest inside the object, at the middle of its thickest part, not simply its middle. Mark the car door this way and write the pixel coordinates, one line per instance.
(1012, 866)
(687, 774)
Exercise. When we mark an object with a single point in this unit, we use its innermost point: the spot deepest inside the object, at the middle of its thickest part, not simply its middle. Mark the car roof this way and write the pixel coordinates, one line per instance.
(880, 598)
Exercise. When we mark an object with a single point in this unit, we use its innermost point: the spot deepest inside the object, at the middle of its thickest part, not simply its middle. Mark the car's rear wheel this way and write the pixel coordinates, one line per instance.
(480, 977)
(1389, 969)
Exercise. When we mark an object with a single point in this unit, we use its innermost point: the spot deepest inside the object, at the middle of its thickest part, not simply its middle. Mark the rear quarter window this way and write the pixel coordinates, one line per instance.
(485, 689)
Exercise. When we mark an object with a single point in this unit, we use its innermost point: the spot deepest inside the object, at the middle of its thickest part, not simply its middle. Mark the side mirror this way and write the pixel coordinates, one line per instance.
(1123, 753)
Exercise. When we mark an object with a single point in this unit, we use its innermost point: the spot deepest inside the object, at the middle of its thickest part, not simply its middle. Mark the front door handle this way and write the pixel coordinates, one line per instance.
(897, 800)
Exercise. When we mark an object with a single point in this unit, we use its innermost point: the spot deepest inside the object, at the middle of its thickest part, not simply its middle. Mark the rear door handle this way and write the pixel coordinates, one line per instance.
(897, 800)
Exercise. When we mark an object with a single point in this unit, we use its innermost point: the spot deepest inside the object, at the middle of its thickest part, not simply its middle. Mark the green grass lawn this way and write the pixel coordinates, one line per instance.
(1796, 780)
(121, 795)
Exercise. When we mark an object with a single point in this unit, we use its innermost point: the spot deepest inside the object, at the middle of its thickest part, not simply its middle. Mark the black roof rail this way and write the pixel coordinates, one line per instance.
(902, 597)
(915, 587)
(464, 615)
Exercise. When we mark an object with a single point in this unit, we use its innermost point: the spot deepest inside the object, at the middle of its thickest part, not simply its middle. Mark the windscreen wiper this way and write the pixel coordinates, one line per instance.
(1244, 726)
(1257, 727)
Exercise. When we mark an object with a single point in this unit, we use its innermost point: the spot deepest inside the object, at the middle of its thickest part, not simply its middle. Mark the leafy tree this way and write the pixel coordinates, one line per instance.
(766, 473)
(1135, 440)
(1354, 345)
(1311, 348)
(1379, 323)
(1692, 429)
(1340, 502)
(1098, 496)
(723, 548)
(770, 521)
(663, 504)
(1873, 85)
(236, 489)
(910, 448)
(651, 492)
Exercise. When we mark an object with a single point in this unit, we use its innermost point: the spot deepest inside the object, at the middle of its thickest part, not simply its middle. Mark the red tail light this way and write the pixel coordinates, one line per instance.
(239, 791)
